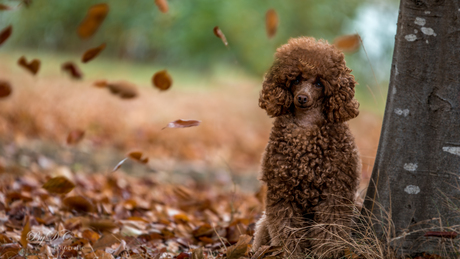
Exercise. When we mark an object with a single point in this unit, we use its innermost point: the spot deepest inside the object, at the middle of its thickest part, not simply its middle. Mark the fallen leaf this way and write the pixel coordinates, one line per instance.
(92, 53)
(271, 23)
(72, 69)
(100, 83)
(162, 5)
(25, 233)
(350, 254)
(137, 156)
(124, 89)
(182, 124)
(102, 225)
(162, 80)
(78, 203)
(75, 136)
(5, 89)
(99, 254)
(220, 35)
(183, 255)
(442, 234)
(5, 34)
(203, 230)
(59, 185)
(90, 235)
(5, 239)
(107, 240)
(240, 249)
(33, 66)
(94, 18)
(10, 250)
(348, 43)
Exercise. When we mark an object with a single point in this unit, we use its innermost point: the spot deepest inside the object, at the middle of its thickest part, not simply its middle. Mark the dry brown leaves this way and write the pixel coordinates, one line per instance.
(162, 80)
(271, 23)
(75, 136)
(94, 18)
(4, 8)
(5, 89)
(72, 69)
(59, 185)
(32, 66)
(113, 216)
(348, 43)
(92, 53)
(220, 35)
(5, 34)
(124, 89)
(162, 5)
(182, 124)
(137, 156)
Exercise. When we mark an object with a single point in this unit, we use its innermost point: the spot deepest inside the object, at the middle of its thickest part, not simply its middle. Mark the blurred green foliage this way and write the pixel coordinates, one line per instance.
(136, 29)
(183, 37)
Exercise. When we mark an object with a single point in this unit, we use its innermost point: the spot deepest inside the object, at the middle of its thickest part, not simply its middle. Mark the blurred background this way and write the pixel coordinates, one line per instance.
(214, 83)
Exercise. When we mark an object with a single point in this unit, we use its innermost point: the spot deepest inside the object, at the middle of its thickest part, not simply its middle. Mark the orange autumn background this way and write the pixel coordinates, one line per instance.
(79, 94)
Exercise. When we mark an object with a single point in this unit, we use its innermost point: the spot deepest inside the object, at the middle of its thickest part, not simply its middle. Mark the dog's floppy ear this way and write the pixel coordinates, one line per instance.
(275, 97)
(340, 104)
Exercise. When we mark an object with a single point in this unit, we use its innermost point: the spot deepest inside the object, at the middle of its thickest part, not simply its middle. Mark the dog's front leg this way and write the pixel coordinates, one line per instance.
(261, 235)
(284, 228)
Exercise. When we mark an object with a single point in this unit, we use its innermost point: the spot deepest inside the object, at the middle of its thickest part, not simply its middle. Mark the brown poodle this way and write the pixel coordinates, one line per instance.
(311, 164)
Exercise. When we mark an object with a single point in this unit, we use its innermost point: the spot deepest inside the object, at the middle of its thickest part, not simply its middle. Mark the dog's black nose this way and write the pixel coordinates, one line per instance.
(302, 99)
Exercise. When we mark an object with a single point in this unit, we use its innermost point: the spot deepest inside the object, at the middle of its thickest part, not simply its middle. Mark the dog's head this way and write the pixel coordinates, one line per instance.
(307, 73)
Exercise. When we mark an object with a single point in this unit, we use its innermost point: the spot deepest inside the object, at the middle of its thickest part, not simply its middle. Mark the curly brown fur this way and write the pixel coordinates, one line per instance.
(311, 164)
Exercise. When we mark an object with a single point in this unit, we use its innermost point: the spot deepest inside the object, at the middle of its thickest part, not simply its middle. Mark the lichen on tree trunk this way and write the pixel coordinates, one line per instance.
(417, 167)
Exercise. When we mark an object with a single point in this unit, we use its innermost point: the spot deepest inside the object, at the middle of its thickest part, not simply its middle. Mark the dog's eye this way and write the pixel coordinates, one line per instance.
(319, 84)
(296, 81)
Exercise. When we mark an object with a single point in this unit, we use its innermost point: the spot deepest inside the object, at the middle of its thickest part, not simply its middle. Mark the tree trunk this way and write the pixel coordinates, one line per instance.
(417, 168)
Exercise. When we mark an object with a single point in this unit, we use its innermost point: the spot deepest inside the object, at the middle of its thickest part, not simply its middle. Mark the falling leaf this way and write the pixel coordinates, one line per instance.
(59, 185)
(92, 53)
(348, 43)
(240, 249)
(162, 80)
(5, 89)
(100, 83)
(220, 35)
(5, 34)
(94, 18)
(78, 203)
(4, 8)
(119, 165)
(137, 156)
(162, 5)
(27, 3)
(33, 66)
(75, 136)
(25, 232)
(271, 23)
(183, 124)
(72, 69)
(124, 89)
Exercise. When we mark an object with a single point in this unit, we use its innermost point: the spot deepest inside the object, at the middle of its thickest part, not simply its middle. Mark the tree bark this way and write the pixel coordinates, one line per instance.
(417, 167)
